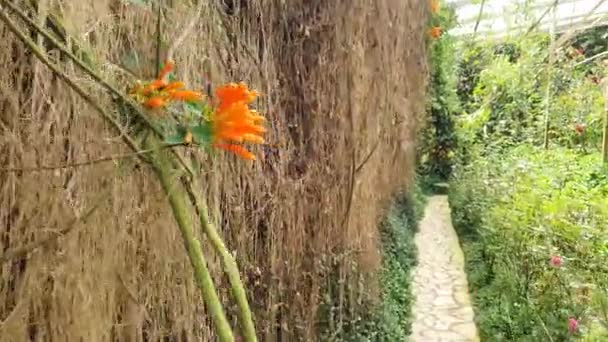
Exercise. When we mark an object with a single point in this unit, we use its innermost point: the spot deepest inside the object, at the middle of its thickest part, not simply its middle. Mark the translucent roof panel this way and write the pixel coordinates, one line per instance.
(502, 17)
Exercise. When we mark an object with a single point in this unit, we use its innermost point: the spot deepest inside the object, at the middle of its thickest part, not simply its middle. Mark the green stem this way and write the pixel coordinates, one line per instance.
(193, 246)
(228, 262)
(548, 93)
(605, 129)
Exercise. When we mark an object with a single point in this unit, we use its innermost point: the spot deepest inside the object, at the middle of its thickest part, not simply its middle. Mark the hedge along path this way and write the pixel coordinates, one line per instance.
(442, 311)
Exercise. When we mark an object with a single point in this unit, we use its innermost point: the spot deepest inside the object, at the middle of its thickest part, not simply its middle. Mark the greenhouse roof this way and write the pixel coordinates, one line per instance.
(505, 17)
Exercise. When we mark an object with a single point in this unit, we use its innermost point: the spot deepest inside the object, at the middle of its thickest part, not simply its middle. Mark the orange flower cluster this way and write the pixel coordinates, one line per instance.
(159, 93)
(435, 32)
(234, 122)
(434, 6)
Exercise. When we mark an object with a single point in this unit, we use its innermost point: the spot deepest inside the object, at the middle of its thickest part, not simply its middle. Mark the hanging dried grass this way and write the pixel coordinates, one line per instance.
(338, 79)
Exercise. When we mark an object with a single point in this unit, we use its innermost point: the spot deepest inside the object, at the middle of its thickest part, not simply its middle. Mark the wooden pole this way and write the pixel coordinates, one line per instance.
(549, 79)
(605, 139)
(483, 3)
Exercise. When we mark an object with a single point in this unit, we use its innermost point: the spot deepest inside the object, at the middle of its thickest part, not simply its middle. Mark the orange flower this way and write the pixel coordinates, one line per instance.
(231, 93)
(252, 138)
(434, 6)
(159, 93)
(233, 121)
(153, 86)
(236, 122)
(185, 95)
(174, 86)
(160, 82)
(154, 102)
(435, 32)
(169, 65)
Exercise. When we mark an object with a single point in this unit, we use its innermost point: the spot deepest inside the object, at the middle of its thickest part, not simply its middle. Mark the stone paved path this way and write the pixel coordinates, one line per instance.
(442, 311)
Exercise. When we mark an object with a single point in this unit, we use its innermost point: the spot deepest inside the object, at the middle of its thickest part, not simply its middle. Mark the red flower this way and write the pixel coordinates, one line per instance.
(580, 128)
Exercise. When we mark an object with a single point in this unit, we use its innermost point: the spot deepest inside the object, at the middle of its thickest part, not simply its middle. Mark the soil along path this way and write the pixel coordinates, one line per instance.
(443, 310)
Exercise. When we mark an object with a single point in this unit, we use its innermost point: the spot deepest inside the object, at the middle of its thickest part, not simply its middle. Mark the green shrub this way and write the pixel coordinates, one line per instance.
(516, 206)
(514, 210)
(438, 140)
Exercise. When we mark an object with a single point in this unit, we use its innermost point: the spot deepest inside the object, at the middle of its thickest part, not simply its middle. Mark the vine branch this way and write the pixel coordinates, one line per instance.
(180, 39)
(110, 88)
(21, 252)
(71, 83)
(162, 167)
(88, 162)
(228, 262)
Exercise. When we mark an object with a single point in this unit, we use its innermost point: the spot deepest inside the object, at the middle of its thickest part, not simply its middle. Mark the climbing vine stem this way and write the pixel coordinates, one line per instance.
(228, 262)
(163, 167)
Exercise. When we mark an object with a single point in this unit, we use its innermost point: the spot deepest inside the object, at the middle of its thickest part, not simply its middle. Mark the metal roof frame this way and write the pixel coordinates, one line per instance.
(498, 16)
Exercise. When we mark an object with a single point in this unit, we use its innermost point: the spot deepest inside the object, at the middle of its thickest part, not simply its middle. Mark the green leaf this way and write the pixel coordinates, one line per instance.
(174, 139)
(192, 106)
(178, 137)
(201, 133)
(171, 77)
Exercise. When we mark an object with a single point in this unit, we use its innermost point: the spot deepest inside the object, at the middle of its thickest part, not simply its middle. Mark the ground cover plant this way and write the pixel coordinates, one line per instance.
(389, 318)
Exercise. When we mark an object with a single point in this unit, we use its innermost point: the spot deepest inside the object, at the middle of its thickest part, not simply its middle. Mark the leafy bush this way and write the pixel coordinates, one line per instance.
(533, 222)
(515, 210)
(593, 41)
(503, 88)
(474, 58)
(438, 139)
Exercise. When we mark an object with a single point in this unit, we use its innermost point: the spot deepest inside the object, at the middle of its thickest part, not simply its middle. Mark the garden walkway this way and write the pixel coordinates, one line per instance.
(442, 311)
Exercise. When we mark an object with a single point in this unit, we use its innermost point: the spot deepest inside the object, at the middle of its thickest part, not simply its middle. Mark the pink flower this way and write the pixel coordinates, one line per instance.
(556, 261)
(572, 325)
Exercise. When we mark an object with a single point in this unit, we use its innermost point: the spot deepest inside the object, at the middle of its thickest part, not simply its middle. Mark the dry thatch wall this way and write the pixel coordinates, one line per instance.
(343, 82)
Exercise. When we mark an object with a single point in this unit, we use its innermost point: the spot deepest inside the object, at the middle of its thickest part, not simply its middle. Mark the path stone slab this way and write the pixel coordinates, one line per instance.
(442, 311)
